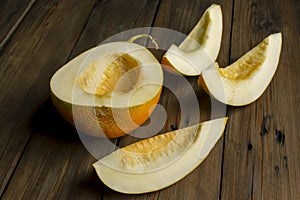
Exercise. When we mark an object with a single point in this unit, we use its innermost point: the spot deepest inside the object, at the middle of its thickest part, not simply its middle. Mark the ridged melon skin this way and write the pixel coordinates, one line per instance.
(101, 121)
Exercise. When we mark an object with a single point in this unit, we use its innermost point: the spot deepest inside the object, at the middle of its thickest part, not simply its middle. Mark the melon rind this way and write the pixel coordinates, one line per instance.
(195, 54)
(244, 91)
(142, 182)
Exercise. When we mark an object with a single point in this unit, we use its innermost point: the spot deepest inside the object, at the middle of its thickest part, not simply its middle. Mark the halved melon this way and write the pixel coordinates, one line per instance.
(244, 81)
(200, 48)
(160, 161)
(108, 90)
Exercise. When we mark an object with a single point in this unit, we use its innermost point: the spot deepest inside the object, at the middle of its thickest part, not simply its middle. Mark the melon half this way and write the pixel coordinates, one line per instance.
(108, 90)
(200, 48)
(159, 161)
(245, 80)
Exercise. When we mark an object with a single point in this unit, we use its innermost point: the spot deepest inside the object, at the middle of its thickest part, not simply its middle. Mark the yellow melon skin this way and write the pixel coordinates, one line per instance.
(101, 121)
(201, 83)
(168, 66)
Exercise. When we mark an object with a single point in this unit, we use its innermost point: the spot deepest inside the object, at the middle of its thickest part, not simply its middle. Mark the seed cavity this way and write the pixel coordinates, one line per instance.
(116, 72)
(248, 64)
(160, 150)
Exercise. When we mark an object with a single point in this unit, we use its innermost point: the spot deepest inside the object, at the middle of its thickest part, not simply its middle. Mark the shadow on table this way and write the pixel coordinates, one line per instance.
(91, 186)
(49, 122)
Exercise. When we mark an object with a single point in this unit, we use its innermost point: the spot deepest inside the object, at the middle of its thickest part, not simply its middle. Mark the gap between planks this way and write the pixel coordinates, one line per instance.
(16, 25)
(225, 130)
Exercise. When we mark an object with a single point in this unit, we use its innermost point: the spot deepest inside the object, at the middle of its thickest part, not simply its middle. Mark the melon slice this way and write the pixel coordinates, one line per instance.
(244, 81)
(160, 161)
(108, 90)
(200, 48)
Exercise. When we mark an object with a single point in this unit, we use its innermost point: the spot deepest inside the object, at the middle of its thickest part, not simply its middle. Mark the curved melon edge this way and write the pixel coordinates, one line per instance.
(211, 49)
(69, 73)
(187, 63)
(213, 44)
(91, 124)
(245, 91)
(134, 183)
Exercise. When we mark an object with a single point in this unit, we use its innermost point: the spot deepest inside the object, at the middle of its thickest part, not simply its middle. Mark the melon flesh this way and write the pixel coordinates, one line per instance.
(200, 48)
(244, 81)
(103, 99)
(154, 163)
(64, 82)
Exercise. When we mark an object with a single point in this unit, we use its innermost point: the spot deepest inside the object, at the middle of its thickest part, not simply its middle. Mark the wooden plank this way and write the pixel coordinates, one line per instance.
(53, 165)
(182, 16)
(111, 18)
(56, 163)
(27, 65)
(261, 159)
(12, 14)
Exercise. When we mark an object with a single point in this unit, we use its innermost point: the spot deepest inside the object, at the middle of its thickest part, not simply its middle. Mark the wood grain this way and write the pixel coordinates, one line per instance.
(12, 14)
(36, 50)
(111, 18)
(260, 155)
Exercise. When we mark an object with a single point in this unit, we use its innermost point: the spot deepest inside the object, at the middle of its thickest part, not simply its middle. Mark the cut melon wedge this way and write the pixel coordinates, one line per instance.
(160, 161)
(244, 81)
(200, 48)
(108, 90)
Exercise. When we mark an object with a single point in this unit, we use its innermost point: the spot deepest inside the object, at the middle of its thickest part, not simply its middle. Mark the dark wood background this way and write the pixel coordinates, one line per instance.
(42, 157)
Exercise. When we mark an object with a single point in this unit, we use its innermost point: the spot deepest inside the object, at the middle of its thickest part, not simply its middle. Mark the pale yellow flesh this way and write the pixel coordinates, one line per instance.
(146, 177)
(244, 81)
(153, 153)
(207, 33)
(113, 72)
(247, 65)
(201, 47)
(64, 83)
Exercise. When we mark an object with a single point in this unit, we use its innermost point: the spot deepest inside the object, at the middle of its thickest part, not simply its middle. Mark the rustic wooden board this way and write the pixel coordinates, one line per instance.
(11, 15)
(56, 163)
(41, 44)
(261, 155)
(110, 18)
(42, 157)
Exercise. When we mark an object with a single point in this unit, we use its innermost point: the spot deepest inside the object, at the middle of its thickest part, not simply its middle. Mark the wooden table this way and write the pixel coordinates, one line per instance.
(42, 157)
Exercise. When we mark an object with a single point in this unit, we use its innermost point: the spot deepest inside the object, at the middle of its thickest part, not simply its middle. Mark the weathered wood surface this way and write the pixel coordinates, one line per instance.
(42, 157)
(40, 45)
(261, 154)
(11, 15)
